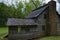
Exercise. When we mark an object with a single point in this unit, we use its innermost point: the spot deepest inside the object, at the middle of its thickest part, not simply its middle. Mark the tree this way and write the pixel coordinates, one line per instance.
(3, 16)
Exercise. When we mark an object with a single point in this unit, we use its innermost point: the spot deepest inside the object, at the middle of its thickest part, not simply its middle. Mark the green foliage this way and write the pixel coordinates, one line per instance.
(3, 16)
(29, 7)
(38, 3)
(18, 12)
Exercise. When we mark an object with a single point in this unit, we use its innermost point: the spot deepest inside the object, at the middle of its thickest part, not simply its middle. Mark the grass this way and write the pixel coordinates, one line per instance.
(4, 30)
(51, 38)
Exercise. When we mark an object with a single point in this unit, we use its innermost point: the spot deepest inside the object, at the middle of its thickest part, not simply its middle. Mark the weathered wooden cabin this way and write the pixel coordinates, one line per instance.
(43, 21)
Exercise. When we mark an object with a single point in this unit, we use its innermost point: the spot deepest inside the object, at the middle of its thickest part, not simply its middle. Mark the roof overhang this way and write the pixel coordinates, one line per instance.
(18, 22)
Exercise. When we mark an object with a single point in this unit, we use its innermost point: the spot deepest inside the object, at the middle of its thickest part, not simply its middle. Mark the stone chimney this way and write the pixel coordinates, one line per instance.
(52, 17)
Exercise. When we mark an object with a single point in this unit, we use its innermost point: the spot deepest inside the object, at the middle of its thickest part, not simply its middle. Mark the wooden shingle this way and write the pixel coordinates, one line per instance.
(17, 22)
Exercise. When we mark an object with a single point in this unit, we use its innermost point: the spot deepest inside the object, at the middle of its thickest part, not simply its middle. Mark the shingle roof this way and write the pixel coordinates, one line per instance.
(37, 11)
(17, 22)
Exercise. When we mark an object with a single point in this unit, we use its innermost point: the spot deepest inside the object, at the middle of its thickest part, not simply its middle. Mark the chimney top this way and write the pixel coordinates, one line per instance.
(51, 0)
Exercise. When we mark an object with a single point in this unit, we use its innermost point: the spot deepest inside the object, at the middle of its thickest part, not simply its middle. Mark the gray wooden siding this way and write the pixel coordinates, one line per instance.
(58, 25)
(41, 22)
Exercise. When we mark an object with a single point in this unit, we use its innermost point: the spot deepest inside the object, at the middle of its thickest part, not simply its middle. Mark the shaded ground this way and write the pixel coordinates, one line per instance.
(46, 38)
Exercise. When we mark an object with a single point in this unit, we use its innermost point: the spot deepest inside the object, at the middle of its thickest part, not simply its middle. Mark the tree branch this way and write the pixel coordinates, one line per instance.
(34, 3)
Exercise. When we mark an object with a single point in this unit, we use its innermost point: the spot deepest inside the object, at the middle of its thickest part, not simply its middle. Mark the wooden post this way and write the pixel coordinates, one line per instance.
(12, 30)
(23, 29)
(47, 28)
(52, 17)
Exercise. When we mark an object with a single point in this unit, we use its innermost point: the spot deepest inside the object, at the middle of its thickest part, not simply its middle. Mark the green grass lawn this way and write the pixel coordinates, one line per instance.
(51, 38)
(4, 30)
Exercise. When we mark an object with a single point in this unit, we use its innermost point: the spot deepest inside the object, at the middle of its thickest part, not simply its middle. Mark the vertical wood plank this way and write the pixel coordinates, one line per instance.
(11, 31)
